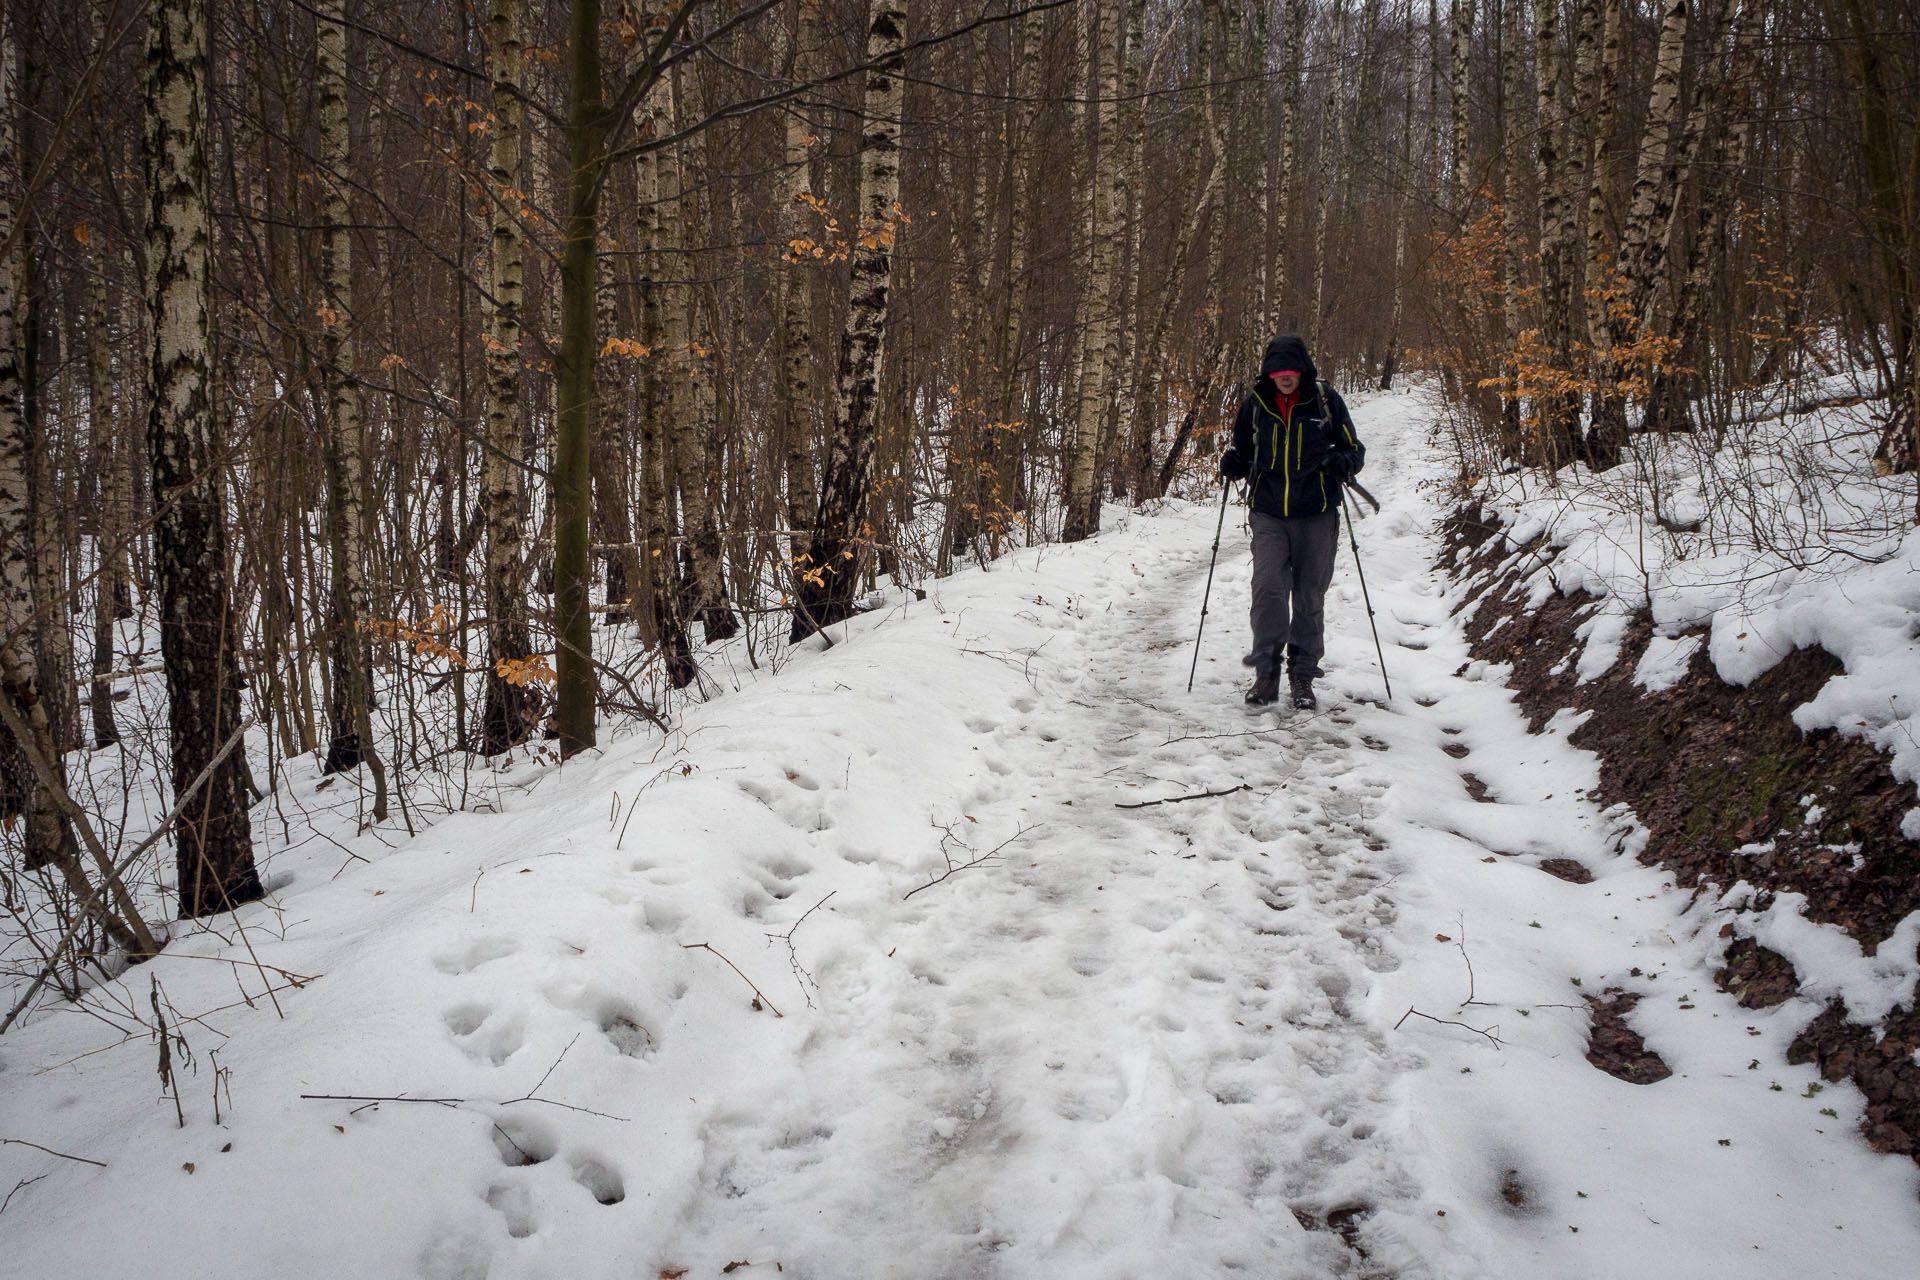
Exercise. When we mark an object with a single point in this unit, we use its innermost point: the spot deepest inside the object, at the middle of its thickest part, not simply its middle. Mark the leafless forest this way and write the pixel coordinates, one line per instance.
(404, 384)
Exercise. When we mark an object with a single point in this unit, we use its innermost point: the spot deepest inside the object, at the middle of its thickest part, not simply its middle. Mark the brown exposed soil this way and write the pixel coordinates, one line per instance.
(1877, 1059)
(1756, 977)
(1617, 1048)
(1729, 789)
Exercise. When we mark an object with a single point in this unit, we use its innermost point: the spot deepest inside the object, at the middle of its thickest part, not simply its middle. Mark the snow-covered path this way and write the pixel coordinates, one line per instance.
(694, 1006)
(1127, 1044)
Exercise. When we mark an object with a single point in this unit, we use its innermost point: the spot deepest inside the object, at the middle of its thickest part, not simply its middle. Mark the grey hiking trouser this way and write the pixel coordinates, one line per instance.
(1292, 568)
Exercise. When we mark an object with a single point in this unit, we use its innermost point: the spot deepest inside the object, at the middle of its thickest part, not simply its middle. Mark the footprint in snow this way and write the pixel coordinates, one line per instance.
(471, 957)
(484, 1036)
(602, 1181)
(514, 1203)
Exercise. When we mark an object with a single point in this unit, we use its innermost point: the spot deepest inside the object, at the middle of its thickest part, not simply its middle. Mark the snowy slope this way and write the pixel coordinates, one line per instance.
(716, 999)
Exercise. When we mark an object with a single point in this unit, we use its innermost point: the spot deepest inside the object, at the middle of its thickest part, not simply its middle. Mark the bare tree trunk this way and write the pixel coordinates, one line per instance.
(48, 841)
(352, 730)
(1644, 238)
(1402, 209)
(796, 299)
(1293, 46)
(612, 510)
(198, 634)
(1332, 169)
(52, 617)
(1462, 176)
(1100, 352)
(1148, 405)
(1608, 430)
(1643, 241)
(1668, 398)
(510, 705)
(694, 419)
(658, 593)
(577, 693)
(826, 594)
(1893, 185)
(1001, 492)
(1557, 409)
(1513, 135)
(109, 454)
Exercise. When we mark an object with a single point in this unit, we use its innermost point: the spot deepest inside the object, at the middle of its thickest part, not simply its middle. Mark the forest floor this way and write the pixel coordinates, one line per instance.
(974, 945)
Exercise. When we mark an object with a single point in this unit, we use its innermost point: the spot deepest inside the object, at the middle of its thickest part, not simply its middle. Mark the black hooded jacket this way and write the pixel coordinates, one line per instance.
(1290, 449)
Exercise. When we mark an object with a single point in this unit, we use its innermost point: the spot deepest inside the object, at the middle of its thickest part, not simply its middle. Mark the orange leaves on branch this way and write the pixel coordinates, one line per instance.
(429, 637)
(627, 347)
(525, 671)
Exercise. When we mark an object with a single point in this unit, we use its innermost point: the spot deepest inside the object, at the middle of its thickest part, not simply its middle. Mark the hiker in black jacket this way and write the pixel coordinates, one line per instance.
(1294, 443)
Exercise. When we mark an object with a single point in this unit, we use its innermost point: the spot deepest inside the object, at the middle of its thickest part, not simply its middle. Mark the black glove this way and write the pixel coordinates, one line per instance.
(1341, 464)
(1233, 466)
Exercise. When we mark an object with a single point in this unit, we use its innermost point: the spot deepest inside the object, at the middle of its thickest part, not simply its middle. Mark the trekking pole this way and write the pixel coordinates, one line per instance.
(1361, 570)
(1226, 486)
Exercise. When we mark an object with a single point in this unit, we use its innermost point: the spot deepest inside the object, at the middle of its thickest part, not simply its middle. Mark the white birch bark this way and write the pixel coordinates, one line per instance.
(345, 453)
(690, 342)
(1100, 346)
(1332, 169)
(1643, 239)
(796, 293)
(506, 714)
(1461, 173)
(1605, 103)
(198, 635)
(658, 594)
(841, 526)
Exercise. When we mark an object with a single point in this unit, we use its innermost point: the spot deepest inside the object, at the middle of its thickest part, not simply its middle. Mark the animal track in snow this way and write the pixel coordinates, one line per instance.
(455, 963)
(465, 1019)
(785, 866)
(601, 1180)
(662, 917)
(487, 1038)
(521, 1143)
(513, 1203)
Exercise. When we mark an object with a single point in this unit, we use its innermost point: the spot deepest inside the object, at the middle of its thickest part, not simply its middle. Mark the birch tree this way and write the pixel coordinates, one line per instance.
(198, 633)
(1643, 240)
(345, 454)
(507, 700)
(1100, 348)
(840, 529)
(796, 296)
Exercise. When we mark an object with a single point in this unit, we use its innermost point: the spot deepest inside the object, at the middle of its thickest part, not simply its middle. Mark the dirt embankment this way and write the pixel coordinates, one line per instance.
(1729, 789)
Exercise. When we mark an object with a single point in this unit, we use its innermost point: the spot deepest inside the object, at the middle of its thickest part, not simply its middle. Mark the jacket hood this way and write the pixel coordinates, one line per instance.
(1288, 352)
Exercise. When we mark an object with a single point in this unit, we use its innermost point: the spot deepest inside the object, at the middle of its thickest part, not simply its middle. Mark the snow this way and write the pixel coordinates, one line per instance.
(868, 970)
(1665, 662)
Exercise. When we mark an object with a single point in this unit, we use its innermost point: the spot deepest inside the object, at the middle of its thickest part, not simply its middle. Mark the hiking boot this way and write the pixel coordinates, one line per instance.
(1265, 691)
(1303, 699)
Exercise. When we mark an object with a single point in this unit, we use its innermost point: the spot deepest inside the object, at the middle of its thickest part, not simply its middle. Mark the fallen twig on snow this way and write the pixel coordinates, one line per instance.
(22, 1142)
(954, 868)
(1479, 1031)
(800, 974)
(760, 996)
(1198, 795)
